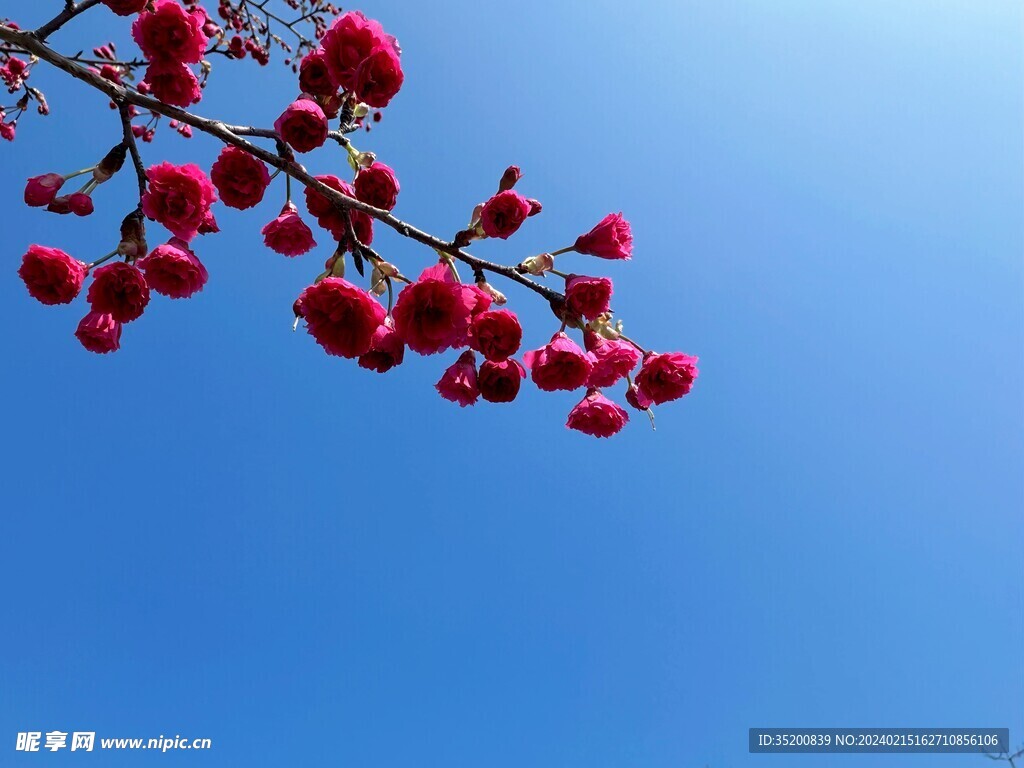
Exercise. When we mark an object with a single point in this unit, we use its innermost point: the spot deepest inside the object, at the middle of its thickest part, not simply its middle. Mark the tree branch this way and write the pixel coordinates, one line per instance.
(233, 135)
(133, 148)
(71, 9)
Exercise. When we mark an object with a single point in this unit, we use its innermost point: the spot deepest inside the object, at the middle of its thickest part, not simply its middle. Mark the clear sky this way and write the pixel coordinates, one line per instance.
(221, 532)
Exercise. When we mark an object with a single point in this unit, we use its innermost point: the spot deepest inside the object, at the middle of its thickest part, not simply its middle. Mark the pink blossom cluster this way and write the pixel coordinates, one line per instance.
(178, 197)
(355, 67)
(14, 71)
(172, 38)
(438, 312)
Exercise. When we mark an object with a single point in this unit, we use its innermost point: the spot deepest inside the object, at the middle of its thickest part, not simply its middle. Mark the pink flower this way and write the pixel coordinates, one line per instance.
(314, 75)
(479, 301)
(386, 349)
(14, 72)
(341, 317)
(332, 218)
(241, 180)
(125, 7)
(458, 383)
(379, 78)
(596, 415)
(170, 33)
(665, 377)
(588, 296)
(432, 314)
(612, 238)
(119, 289)
(40, 190)
(496, 334)
(613, 359)
(174, 270)
(500, 382)
(288, 233)
(7, 130)
(350, 40)
(179, 197)
(377, 186)
(504, 214)
(51, 276)
(210, 28)
(173, 82)
(80, 204)
(560, 364)
(99, 332)
(302, 125)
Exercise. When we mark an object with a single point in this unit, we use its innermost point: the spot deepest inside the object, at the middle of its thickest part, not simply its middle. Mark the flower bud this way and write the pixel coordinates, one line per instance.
(40, 190)
(496, 296)
(80, 204)
(59, 205)
(510, 178)
(538, 265)
(637, 400)
(601, 325)
(133, 237)
(361, 159)
(209, 225)
(331, 105)
(386, 269)
(378, 283)
(110, 164)
(336, 264)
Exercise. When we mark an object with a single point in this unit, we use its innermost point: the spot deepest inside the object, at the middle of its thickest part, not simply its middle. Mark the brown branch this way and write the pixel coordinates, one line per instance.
(71, 9)
(133, 147)
(233, 135)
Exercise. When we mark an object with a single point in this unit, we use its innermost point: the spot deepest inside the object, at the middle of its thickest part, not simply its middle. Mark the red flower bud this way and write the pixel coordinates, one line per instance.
(80, 204)
(510, 178)
(40, 190)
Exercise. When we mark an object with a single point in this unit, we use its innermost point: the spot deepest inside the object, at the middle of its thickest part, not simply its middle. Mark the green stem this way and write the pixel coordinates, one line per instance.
(102, 259)
(79, 173)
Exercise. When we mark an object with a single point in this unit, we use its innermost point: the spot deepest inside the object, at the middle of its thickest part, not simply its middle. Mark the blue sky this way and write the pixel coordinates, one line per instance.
(221, 532)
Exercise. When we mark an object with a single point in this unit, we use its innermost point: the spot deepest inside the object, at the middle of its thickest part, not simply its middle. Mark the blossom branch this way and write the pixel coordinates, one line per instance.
(355, 68)
(233, 135)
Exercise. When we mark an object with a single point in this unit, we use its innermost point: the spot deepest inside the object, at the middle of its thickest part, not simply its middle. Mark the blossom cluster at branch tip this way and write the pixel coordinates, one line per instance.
(350, 69)
(172, 37)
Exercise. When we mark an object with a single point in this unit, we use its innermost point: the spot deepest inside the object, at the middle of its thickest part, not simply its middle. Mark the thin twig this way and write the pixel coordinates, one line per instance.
(71, 10)
(133, 148)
